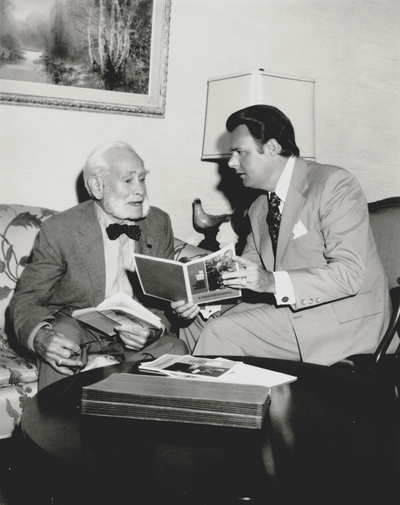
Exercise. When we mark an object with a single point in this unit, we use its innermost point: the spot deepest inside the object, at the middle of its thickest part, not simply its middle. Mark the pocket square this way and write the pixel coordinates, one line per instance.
(299, 230)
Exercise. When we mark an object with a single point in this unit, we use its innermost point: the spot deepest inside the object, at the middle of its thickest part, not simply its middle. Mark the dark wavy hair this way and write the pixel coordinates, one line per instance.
(266, 122)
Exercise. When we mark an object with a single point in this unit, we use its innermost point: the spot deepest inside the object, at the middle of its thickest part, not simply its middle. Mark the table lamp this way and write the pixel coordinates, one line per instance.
(294, 96)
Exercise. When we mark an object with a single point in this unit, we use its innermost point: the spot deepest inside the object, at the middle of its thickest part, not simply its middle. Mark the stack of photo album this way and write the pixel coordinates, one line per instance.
(186, 389)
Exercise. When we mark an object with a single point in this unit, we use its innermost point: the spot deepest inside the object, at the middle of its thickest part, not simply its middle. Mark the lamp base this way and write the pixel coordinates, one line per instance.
(208, 225)
(209, 243)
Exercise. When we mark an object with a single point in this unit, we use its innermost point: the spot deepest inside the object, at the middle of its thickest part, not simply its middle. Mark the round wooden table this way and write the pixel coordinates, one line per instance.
(331, 437)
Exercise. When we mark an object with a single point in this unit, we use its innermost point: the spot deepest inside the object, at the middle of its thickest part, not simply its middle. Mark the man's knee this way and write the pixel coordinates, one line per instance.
(69, 327)
(212, 327)
(176, 345)
(181, 347)
(168, 344)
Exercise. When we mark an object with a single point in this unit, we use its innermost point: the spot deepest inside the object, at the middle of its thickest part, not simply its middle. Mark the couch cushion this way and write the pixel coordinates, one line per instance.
(15, 369)
(12, 402)
(15, 250)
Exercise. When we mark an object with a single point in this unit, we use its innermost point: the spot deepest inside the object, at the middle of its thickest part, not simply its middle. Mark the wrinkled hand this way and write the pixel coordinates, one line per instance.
(256, 278)
(136, 336)
(185, 310)
(58, 351)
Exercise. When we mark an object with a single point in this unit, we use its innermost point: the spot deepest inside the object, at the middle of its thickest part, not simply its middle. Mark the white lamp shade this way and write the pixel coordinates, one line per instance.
(294, 96)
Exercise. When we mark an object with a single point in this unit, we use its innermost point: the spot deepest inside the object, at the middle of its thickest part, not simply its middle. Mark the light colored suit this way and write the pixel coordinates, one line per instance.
(326, 245)
(68, 268)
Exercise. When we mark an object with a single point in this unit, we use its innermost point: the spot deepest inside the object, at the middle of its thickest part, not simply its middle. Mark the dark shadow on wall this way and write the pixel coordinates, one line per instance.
(240, 199)
(81, 192)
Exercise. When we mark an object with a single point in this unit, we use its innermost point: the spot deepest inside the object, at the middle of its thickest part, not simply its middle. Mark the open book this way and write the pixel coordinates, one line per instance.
(188, 366)
(198, 281)
(117, 309)
(215, 369)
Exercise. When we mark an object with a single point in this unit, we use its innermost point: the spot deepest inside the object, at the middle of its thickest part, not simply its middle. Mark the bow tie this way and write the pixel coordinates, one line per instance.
(131, 231)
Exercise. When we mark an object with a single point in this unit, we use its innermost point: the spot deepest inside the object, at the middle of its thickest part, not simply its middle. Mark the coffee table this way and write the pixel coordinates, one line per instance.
(331, 437)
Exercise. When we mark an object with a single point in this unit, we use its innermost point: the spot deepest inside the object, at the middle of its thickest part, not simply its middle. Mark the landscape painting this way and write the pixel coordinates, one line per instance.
(99, 55)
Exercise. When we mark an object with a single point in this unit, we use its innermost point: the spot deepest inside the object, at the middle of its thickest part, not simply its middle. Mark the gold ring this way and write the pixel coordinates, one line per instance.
(59, 362)
(243, 282)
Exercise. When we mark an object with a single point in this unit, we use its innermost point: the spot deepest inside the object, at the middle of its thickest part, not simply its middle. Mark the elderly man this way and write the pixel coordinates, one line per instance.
(79, 259)
(315, 289)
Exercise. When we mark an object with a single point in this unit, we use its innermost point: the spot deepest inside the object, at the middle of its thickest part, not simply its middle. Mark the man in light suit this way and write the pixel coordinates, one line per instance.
(318, 290)
(77, 263)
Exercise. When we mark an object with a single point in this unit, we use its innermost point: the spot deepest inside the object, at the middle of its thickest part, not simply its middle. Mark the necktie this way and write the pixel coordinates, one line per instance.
(274, 219)
(115, 230)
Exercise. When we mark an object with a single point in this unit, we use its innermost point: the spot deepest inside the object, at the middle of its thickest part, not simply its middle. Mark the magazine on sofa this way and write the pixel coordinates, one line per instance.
(117, 309)
(198, 281)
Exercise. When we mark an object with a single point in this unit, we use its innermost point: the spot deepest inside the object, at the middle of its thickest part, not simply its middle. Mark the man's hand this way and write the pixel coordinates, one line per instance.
(250, 276)
(136, 336)
(185, 310)
(59, 352)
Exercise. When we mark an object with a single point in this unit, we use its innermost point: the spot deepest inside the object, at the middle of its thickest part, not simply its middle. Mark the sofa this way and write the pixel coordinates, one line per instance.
(19, 225)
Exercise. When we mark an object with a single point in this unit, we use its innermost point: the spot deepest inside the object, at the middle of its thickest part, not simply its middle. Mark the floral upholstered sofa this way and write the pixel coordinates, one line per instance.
(19, 225)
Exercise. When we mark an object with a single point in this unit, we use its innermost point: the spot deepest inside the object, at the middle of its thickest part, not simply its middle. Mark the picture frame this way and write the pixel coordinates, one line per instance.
(152, 104)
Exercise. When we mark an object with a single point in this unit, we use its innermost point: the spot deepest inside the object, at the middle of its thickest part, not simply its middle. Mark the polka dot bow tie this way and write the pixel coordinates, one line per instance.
(131, 231)
(274, 219)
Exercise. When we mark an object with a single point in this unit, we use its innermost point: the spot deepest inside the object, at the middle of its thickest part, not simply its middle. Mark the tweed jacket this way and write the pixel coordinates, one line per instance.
(68, 266)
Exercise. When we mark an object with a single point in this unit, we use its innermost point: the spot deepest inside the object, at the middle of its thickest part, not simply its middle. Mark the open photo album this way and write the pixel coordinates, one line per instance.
(198, 281)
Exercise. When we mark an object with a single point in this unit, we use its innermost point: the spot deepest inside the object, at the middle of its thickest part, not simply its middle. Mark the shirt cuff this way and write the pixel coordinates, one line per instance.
(284, 289)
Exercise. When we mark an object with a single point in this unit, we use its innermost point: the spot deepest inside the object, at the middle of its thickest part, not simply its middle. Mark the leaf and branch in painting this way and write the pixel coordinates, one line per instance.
(10, 45)
(98, 44)
(103, 44)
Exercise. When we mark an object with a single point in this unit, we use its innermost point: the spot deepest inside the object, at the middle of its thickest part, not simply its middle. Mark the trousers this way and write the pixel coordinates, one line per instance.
(68, 326)
(247, 329)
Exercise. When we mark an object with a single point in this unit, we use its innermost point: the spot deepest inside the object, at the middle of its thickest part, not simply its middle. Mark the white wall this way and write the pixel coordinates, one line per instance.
(351, 49)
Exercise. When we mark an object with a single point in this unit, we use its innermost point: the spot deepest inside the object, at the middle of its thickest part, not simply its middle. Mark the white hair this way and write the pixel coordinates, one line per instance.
(101, 158)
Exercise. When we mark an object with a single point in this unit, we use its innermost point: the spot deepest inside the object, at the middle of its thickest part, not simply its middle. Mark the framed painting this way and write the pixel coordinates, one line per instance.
(90, 55)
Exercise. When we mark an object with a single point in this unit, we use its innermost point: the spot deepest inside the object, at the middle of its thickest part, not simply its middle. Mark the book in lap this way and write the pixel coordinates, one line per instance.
(198, 281)
(117, 309)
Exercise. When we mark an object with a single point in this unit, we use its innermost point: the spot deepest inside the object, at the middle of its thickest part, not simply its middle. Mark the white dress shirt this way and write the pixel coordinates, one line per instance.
(118, 255)
(283, 283)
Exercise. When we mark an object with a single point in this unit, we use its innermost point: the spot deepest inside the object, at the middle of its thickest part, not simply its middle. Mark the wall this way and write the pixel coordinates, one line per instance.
(351, 49)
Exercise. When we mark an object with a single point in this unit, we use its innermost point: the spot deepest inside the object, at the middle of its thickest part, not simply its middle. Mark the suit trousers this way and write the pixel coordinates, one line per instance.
(68, 326)
(247, 329)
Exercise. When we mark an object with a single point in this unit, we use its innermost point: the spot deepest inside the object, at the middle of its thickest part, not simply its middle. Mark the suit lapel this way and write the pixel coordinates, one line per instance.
(293, 205)
(144, 244)
(92, 249)
(266, 251)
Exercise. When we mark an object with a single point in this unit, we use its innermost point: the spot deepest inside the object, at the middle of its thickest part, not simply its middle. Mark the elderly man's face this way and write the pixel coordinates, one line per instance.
(125, 195)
